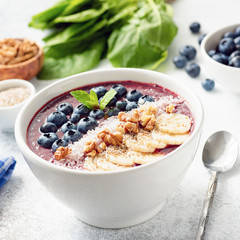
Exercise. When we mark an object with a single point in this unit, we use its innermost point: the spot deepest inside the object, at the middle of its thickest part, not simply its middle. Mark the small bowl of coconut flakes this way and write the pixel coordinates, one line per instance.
(14, 93)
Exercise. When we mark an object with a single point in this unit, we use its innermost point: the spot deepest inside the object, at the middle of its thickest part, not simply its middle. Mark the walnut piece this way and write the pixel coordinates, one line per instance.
(170, 108)
(62, 152)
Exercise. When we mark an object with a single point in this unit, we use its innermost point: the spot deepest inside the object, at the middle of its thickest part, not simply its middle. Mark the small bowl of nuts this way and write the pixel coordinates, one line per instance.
(20, 59)
(14, 93)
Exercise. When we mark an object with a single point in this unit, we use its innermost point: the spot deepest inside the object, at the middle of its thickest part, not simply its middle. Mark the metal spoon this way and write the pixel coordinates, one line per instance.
(219, 155)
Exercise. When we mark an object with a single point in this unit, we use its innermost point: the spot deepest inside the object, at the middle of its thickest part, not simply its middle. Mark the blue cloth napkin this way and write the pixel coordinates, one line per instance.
(7, 166)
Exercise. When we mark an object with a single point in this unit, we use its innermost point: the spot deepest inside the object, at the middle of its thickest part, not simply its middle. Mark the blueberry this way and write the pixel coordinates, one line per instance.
(229, 35)
(82, 110)
(226, 46)
(237, 42)
(48, 127)
(100, 91)
(67, 126)
(72, 135)
(111, 103)
(195, 27)
(145, 98)
(201, 37)
(58, 118)
(86, 124)
(208, 84)
(66, 108)
(180, 61)
(121, 105)
(234, 54)
(193, 70)
(120, 89)
(219, 58)
(133, 96)
(75, 117)
(131, 105)
(97, 114)
(188, 51)
(47, 139)
(212, 52)
(237, 32)
(59, 143)
(225, 58)
(235, 62)
(113, 112)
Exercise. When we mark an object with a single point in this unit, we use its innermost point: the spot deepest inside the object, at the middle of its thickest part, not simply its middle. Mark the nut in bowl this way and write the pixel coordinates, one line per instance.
(13, 95)
(99, 172)
(217, 49)
(20, 59)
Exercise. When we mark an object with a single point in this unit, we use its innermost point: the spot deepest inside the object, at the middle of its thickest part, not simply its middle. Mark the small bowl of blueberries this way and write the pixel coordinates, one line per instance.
(221, 55)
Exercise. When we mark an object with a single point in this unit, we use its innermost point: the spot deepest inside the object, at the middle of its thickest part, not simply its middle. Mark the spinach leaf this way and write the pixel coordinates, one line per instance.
(143, 41)
(73, 63)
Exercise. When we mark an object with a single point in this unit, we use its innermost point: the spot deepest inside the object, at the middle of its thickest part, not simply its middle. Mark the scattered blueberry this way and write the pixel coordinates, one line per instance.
(120, 89)
(225, 58)
(237, 32)
(235, 62)
(58, 118)
(66, 108)
(193, 70)
(226, 46)
(131, 105)
(113, 112)
(59, 143)
(97, 114)
(121, 105)
(219, 58)
(133, 96)
(201, 37)
(237, 42)
(47, 139)
(229, 35)
(188, 51)
(145, 98)
(48, 127)
(208, 84)
(67, 126)
(195, 27)
(180, 61)
(86, 124)
(212, 52)
(72, 135)
(82, 110)
(74, 118)
(100, 91)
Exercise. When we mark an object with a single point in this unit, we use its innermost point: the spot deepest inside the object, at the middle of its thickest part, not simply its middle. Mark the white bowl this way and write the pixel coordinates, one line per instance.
(9, 114)
(120, 198)
(227, 76)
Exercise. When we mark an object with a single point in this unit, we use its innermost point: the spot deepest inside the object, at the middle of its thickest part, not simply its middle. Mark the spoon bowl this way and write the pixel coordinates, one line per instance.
(220, 152)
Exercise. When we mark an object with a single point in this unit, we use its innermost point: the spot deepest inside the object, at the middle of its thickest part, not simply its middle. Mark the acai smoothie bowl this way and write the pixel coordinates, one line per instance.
(112, 145)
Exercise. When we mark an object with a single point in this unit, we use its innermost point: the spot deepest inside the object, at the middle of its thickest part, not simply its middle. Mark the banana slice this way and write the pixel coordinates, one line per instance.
(169, 139)
(173, 123)
(143, 158)
(118, 155)
(145, 138)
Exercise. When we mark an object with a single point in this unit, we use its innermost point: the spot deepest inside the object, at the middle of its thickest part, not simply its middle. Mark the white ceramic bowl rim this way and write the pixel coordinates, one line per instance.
(23, 145)
(11, 83)
(209, 37)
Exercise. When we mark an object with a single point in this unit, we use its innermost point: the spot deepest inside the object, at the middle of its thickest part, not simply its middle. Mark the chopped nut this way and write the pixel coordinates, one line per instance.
(93, 153)
(121, 128)
(91, 145)
(169, 108)
(62, 152)
(131, 127)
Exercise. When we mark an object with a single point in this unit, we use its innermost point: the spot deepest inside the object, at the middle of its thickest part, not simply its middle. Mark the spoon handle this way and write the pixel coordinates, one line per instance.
(207, 206)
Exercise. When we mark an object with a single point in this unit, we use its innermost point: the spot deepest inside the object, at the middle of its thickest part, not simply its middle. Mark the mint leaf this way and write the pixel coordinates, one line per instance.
(107, 98)
(83, 97)
(93, 99)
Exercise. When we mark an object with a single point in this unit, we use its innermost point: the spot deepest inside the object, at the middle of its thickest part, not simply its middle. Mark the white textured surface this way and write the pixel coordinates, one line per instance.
(28, 212)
